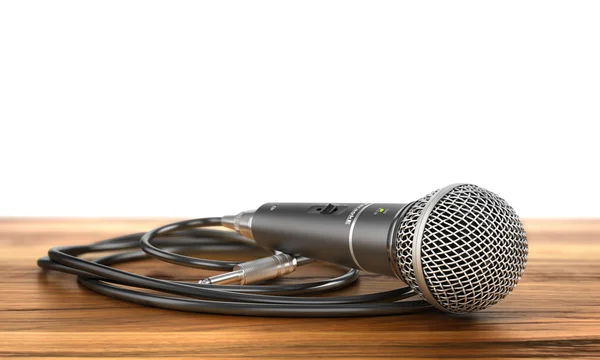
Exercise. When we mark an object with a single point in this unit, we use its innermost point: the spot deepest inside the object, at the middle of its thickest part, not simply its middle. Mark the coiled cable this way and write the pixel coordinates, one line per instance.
(171, 242)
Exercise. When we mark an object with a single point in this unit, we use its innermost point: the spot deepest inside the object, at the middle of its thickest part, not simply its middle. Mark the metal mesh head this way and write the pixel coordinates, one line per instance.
(471, 244)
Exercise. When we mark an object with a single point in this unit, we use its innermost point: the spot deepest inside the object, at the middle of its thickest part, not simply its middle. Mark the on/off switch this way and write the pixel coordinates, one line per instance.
(329, 209)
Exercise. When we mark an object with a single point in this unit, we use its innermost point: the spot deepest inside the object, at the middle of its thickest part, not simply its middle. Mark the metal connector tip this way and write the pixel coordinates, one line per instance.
(226, 278)
(256, 270)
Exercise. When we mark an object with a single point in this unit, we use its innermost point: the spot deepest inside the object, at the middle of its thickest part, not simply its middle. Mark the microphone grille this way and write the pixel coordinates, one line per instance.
(462, 248)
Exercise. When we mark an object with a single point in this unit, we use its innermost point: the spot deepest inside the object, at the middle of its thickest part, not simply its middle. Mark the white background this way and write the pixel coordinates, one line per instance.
(145, 108)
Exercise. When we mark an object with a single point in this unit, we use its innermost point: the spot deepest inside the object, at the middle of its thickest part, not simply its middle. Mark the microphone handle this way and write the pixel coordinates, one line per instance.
(350, 234)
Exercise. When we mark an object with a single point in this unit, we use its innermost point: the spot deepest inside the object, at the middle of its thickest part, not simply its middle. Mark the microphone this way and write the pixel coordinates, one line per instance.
(462, 248)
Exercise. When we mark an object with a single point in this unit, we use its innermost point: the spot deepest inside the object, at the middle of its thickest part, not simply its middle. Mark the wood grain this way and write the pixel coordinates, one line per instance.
(554, 312)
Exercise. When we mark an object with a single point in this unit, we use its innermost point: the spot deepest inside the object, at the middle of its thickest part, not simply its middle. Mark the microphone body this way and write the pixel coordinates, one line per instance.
(462, 248)
(356, 235)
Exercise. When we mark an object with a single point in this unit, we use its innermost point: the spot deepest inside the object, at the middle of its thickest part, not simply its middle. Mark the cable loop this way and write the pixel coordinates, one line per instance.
(167, 242)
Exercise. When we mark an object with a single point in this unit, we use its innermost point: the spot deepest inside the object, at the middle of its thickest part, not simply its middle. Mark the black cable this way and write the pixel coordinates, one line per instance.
(170, 242)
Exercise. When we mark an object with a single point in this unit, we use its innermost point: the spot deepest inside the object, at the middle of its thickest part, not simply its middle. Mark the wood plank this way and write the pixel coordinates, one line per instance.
(554, 311)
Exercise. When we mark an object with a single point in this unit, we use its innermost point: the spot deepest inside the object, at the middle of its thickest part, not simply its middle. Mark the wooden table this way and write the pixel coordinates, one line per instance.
(554, 311)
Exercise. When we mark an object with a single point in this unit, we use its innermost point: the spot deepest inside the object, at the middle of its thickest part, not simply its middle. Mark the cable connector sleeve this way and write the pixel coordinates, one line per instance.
(256, 271)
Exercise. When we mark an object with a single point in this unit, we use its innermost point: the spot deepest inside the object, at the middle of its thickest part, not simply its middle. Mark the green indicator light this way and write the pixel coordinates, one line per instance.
(381, 210)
